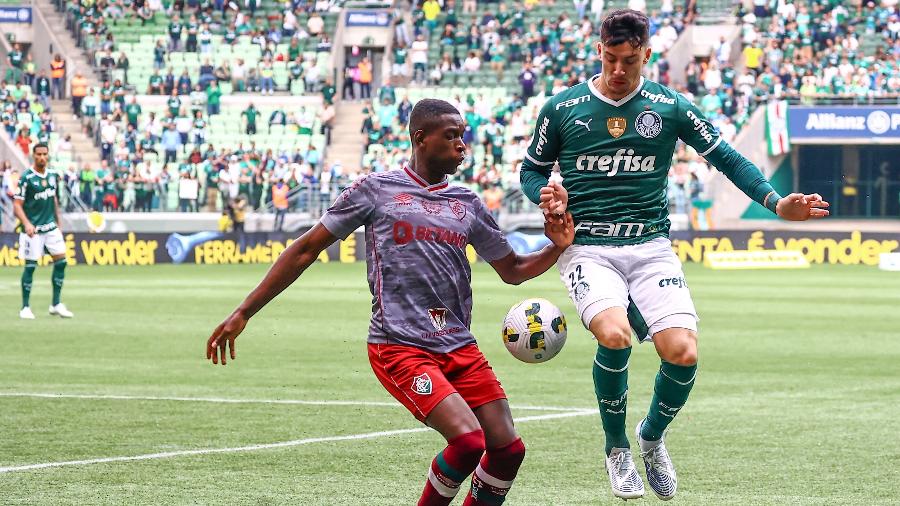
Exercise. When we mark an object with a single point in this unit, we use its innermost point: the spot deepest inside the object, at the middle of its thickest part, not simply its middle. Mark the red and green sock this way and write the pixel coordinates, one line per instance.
(451, 467)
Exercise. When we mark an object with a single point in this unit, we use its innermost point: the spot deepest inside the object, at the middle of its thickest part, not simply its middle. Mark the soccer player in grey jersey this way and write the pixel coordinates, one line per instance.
(417, 227)
(613, 137)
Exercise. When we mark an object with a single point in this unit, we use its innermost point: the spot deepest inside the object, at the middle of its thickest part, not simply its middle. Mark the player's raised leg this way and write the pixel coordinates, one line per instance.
(504, 453)
(613, 333)
(677, 347)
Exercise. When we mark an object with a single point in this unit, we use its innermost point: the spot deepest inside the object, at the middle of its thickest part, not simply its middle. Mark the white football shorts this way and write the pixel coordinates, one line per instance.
(644, 279)
(32, 248)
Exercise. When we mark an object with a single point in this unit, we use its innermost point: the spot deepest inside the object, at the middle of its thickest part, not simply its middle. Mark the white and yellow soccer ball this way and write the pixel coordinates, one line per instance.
(534, 330)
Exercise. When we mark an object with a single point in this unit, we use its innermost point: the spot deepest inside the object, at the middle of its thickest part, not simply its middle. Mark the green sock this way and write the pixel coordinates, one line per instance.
(27, 276)
(611, 387)
(673, 384)
(59, 274)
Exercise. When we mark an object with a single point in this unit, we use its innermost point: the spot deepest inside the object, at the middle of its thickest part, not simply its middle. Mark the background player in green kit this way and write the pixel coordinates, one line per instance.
(613, 137)
(37, 209)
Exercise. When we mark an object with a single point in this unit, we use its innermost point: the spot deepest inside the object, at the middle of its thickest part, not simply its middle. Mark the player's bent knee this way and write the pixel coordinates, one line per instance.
(470, 444)
(684, 357)
(509, 456)
(612, 336)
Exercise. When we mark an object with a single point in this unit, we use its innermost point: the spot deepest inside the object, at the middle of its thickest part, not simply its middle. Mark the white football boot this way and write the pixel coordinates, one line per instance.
(61, 310)
(26, 313)
(658, 465)
(623, 476)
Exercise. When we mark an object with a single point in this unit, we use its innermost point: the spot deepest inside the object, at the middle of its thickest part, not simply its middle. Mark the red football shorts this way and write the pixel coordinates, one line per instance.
(421, 379)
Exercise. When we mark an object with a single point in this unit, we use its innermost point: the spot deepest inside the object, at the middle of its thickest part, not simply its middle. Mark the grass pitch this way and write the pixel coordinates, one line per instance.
(797, 399)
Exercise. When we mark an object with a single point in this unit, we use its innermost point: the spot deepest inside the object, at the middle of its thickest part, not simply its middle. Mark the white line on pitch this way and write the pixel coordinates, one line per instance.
(267, 446)
(244, 401)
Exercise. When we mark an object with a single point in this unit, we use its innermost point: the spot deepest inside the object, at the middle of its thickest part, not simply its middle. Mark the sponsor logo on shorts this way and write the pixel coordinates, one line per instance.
(438, 317)
(678, 282)
(422, 384)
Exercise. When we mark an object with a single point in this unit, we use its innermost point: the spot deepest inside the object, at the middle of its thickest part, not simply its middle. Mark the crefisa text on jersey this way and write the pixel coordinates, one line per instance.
(624, 160)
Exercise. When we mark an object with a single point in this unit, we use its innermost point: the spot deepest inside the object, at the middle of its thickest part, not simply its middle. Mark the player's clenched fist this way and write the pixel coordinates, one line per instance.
(554, 198)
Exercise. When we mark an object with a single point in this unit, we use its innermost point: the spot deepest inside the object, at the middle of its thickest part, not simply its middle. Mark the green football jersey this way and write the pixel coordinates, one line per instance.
(38, 195)
(614, 156)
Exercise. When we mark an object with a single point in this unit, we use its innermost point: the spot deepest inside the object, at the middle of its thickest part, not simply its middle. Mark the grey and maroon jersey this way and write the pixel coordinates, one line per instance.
(416, 237)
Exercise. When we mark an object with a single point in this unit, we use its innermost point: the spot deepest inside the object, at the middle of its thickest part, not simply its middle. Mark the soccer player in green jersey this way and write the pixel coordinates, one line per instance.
(613, 137)
(37, 209)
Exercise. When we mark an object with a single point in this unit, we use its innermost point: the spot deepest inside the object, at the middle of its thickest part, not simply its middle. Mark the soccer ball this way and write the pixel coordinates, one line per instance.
(534, 330)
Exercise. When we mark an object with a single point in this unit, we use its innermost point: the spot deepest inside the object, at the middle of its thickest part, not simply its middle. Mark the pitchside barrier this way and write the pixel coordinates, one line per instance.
(844, 248)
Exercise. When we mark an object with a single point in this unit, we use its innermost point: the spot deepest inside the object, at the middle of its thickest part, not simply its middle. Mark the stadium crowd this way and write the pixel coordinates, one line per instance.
(496, 62)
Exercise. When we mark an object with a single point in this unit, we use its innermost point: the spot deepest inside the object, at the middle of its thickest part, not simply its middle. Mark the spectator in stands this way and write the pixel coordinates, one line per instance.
(58, 76)
(250, 114)
(90, 107)
(43, 89)
(315, 25)
(419, 58)
(351, 74)
(206, 74)
(365, 78)
(188, 190)
(159, 55)
(326, 119)
(278, 117)
(29, 70)
(239, 76)
(527, 79)
(295, 72)
(171, 142)
(213, 99)
(24, 141)
(169, 84)
(184, 85)
(15, 60)
(79, 90)
(280, 203)
(267, 76)
(175, 31)
(155, 86)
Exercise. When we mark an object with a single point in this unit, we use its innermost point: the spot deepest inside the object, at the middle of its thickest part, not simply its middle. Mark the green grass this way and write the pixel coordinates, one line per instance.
(797, 401)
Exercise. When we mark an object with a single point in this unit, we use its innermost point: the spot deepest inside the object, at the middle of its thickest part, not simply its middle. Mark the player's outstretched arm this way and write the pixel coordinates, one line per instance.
(515, 269)
(800, 207)
(292, 262)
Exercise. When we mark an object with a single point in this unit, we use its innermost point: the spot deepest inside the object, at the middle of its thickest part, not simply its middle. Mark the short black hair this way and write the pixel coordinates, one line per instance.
(40, 145)
(427, 112)
(625, 25)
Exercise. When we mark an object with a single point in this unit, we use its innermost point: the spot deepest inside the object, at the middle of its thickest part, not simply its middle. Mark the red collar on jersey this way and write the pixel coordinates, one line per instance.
(424, 184)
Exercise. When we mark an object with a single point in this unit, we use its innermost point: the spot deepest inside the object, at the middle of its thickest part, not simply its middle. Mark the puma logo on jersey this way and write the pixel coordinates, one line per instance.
(586, 125)
(624, 160)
